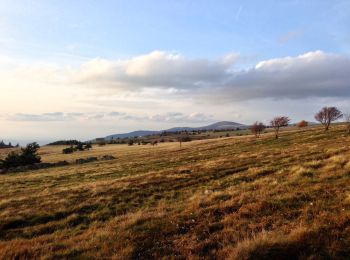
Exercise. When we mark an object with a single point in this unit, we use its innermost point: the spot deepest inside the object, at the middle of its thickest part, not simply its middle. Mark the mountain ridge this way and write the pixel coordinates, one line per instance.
(221, 125)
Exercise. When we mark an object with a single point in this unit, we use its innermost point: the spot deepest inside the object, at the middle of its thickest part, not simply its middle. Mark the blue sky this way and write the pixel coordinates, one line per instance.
(152, 61)
(118, 29)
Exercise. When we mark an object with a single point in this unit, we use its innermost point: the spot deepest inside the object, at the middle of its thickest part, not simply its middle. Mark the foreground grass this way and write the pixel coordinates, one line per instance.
(238, 198)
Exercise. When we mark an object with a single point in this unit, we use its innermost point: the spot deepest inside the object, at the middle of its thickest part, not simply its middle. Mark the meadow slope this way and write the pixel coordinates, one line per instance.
(236, 198)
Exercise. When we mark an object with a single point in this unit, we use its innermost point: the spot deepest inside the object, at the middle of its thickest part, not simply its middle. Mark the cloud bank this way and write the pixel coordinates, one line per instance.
(169, 117)
(156, 70)
(314, 74)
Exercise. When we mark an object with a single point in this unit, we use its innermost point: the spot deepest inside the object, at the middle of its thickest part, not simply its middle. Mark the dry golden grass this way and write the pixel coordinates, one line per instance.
(235, 198)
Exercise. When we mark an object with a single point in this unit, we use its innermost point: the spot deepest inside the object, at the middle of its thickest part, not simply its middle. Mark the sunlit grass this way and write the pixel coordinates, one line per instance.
(242, 197)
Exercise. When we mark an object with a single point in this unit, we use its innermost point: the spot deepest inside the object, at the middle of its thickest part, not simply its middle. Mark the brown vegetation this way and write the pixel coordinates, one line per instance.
(327, 115)
(236, 197)
(279, 122)
(347, 121)
(257, 128)
(302, 124)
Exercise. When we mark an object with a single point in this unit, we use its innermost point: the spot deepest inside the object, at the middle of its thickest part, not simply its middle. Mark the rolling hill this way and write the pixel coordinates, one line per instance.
(223, 125)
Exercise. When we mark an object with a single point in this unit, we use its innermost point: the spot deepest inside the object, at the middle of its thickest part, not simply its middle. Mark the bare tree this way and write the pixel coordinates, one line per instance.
(302, 124)
(182, 139)
(327, 115)
(257, 128)
(279, 122)
(347, 121)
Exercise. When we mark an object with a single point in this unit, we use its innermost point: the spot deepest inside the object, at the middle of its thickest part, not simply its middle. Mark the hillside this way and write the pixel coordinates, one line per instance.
(132, 134)
(222, 125)
(241, 197)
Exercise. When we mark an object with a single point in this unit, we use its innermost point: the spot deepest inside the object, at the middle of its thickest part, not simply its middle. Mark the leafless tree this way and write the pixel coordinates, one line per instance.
(347, 121)
(327, 115)
(279, 122)
(182, 139)
(257, 128)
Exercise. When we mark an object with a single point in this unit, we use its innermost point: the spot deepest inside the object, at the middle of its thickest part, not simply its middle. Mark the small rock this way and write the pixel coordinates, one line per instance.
(61, 163)
(108, 157)
(87, 160)
(80, 161)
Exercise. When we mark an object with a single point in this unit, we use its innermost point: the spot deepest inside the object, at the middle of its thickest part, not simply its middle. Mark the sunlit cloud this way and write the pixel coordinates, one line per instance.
(313, 74)
(172, 117)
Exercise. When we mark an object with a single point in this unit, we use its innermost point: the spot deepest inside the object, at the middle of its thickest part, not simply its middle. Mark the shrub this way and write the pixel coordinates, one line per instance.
(302, 124)
(27, 156)
(257, 128)
(79, 147)
(68, 150)
(347, 121)
(13, 159)
(184, 139)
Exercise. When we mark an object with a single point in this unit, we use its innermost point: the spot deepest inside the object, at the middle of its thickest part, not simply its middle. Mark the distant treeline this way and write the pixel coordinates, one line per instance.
(66, 142)
(9, 145)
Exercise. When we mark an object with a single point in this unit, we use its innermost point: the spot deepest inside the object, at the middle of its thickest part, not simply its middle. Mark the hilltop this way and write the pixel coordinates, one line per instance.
(241, 197)
(223, 125)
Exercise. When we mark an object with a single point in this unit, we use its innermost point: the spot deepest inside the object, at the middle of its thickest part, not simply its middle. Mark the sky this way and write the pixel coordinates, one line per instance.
(86, 69)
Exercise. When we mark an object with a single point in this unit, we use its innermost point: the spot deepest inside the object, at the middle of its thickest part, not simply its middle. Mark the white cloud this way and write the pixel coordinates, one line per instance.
(156, 70)
(314, 74)
(178, 117)
(54, 116)
(169, 117)
(161, 75)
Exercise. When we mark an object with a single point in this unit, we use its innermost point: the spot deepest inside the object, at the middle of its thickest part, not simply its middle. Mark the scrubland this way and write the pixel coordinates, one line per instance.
(235, 198)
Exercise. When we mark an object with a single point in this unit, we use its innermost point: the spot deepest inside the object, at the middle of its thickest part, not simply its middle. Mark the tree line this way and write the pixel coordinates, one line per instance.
(9, 145)
(325, 116)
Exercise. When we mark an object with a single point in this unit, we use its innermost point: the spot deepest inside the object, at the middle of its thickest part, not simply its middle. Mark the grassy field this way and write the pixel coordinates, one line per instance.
(236, 198)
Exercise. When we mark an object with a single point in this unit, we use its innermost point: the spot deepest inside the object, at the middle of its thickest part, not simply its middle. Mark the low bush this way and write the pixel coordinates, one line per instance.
(27, 156)
(68, 150)
(185, 139)
(79, 147)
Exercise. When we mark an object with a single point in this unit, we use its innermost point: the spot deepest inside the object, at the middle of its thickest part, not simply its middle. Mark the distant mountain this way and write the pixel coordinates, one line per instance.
(216, 126)
(132, 134)
(223, 125)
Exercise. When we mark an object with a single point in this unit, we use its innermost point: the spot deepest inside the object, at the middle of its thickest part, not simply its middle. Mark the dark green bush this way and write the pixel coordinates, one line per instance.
(27, 156)
(68, 150)
(184, 139)
(79, 147)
